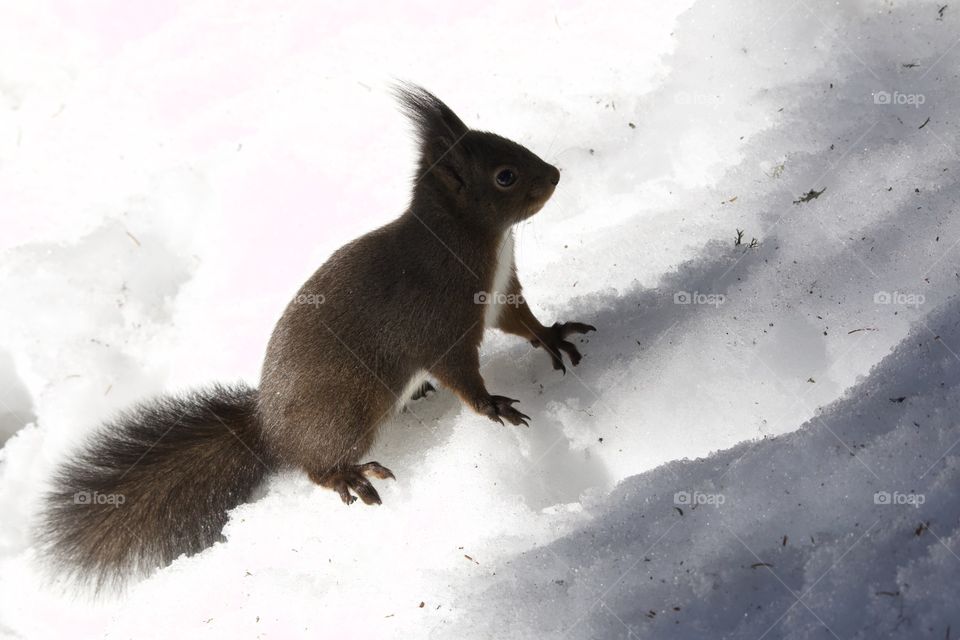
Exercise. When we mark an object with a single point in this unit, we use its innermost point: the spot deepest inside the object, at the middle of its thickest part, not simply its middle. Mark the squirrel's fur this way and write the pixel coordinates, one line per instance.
(406, 300)
(179, 463)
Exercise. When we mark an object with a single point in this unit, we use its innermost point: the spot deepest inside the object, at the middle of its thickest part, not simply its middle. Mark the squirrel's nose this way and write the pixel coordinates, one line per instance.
(554, 176)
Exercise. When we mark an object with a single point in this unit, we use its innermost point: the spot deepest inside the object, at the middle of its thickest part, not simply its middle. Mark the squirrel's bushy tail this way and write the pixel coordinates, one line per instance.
(153, 484)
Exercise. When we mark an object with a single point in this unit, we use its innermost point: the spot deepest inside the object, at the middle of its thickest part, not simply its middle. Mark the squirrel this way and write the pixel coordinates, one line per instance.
(401, 305)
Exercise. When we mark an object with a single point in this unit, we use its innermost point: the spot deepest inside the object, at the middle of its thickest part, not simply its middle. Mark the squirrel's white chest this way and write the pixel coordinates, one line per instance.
(496, 297)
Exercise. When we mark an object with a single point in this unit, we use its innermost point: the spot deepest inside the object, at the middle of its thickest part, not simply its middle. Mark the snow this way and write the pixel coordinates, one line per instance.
(169, 177)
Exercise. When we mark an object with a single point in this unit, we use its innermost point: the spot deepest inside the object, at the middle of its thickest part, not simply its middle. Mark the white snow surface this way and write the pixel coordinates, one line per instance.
(776, 458)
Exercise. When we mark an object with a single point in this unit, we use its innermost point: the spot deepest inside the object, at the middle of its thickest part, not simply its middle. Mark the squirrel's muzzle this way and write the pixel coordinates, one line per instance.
(540, 193)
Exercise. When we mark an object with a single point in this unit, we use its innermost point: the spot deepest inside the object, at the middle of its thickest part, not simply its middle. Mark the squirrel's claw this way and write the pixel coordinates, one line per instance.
(354, 478)
(365, 490)
(498, 408)
(342, 488)
(568, 328)
(376, 470)
(555, 343)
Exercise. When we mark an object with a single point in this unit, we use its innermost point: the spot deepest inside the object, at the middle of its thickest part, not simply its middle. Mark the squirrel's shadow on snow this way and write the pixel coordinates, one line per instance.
(560, 468)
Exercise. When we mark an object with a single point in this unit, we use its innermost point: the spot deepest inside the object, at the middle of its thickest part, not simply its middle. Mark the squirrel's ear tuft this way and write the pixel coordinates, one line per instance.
(439, 131)
(432, 118)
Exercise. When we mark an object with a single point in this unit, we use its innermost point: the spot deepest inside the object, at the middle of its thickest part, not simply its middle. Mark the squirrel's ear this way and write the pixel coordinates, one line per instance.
(432, 118)
(445, 160)
(439, 131)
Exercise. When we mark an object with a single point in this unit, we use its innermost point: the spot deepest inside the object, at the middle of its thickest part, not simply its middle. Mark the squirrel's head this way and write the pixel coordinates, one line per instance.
(480, 177)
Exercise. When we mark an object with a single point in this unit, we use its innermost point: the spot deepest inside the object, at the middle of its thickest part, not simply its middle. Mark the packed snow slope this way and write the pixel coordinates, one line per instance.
(762, 440)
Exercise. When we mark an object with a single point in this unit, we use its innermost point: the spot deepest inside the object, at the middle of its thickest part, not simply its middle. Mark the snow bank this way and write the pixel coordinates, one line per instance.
(848, 527)
(170, 178)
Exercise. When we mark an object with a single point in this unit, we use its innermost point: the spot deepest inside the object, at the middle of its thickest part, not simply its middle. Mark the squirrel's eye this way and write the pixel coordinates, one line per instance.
(506, 177)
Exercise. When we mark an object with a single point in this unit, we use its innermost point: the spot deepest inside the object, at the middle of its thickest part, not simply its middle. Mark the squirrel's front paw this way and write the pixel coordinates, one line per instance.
(554, 341)
(497, 407)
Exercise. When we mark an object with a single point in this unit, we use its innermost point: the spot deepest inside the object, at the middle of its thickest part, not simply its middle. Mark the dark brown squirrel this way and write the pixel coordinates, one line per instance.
(401, 304)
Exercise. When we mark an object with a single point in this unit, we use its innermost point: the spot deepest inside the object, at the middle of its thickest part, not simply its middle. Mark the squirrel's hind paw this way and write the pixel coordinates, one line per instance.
(353, 478)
